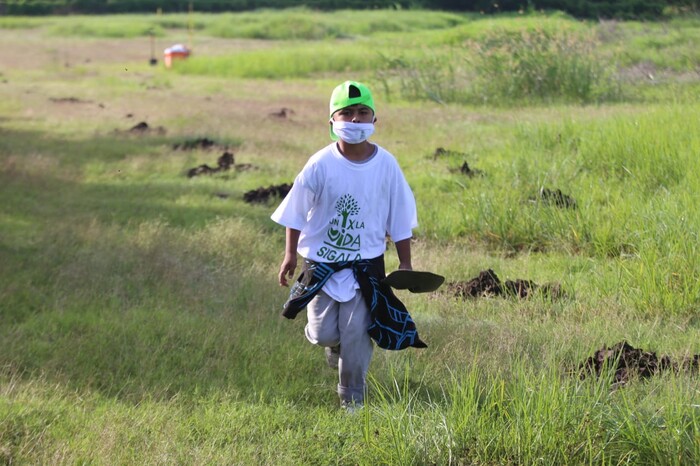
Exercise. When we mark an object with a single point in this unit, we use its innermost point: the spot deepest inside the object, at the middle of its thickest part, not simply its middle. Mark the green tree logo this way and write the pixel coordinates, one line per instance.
(345, 207)
(345, 235)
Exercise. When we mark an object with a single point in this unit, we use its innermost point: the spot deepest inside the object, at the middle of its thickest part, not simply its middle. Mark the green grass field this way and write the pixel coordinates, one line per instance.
(139, 308)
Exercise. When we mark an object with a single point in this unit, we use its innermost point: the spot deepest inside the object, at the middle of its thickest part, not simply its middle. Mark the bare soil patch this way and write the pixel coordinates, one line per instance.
(555, 197)
(199, 144)
(69, 100)
(628, 362)
(144, 128)
(442, 152)
(283, 113)
(464, 169)
(487, 284)
(262, 194)
(34, 49)
(223, 163)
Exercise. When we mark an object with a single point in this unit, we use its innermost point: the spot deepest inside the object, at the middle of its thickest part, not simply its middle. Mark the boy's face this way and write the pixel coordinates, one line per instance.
(357, 113)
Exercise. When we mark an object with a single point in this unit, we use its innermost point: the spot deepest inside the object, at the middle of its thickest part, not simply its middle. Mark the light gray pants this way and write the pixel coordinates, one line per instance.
(331, 323)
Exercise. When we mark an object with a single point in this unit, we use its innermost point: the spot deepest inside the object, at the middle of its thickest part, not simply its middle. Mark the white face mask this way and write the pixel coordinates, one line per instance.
(352, 133)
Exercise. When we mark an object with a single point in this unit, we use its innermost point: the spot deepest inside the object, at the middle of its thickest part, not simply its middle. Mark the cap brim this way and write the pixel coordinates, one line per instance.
(414, 281)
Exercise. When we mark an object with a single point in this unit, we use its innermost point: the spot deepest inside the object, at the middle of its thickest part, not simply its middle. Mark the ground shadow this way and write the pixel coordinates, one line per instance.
(132, 343)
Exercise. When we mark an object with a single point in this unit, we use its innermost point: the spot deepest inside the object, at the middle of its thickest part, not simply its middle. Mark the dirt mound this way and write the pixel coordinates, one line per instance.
(139, 127)
(487, 284)
(224, 163)
(464, 169)
(442, 152)
(629, 362)
(199, 144)
(143, 128)
(555, 197)
(69, 100)
(261, 195)
(284, 112)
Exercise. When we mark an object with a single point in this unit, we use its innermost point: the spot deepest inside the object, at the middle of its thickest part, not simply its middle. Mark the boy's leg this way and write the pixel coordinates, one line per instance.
(331, 323)
(322, 326)
(322, 316)
(355, 349)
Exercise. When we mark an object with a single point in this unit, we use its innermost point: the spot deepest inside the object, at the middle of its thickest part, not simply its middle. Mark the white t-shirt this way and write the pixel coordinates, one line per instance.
(344, 211)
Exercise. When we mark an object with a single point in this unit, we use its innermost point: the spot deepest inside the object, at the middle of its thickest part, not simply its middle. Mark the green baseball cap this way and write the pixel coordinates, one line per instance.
(347, 94)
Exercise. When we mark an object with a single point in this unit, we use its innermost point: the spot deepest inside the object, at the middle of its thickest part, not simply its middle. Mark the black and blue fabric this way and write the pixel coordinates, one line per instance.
(313, 276)
(391, 326)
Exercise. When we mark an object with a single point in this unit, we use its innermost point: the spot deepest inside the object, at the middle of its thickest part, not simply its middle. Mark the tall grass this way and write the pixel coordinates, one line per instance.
(657, 46)
(14, 22)
(530, 419)
(139, 309)
(503, 67)
(645, 174)
(121, 27)
(286, 24)
(538, 65)
(286, 61)
(301, 23)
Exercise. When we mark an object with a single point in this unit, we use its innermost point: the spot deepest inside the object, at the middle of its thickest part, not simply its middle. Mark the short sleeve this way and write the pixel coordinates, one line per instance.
(294, 209)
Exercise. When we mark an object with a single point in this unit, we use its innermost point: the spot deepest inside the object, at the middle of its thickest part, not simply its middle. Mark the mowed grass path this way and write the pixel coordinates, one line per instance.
(139, 310)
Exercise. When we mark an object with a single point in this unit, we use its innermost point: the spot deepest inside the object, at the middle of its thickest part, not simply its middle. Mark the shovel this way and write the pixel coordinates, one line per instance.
(414, 281)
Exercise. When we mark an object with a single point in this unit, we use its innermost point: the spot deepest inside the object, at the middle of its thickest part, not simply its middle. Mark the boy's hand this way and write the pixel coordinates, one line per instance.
(403, 250)
(289, 265)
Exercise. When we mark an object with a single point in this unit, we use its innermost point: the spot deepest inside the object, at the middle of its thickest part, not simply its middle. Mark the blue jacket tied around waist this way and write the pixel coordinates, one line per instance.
(391, 325)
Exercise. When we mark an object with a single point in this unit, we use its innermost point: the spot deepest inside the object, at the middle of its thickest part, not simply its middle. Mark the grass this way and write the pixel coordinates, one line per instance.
(140, 313)
(303, 23)
(289, 24)
(289, 60)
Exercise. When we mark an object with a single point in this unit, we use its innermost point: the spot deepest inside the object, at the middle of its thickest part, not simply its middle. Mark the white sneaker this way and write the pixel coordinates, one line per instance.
(333, 356)
(351, 407)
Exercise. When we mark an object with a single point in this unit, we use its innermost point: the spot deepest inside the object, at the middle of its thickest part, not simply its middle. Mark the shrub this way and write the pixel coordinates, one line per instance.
(541, 65)
(507, 67)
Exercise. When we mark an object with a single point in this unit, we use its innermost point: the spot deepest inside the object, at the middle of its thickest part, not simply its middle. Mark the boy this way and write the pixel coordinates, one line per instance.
(343, 203)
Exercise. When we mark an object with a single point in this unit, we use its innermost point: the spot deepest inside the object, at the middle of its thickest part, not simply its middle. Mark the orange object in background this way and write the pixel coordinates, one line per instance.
(176, 52)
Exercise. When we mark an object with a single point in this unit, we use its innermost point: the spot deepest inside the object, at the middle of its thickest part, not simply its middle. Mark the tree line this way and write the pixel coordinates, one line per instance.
(596, 9)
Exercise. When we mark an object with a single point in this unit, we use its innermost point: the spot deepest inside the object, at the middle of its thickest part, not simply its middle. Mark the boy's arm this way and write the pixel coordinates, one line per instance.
(403, 249)
(289, 264)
